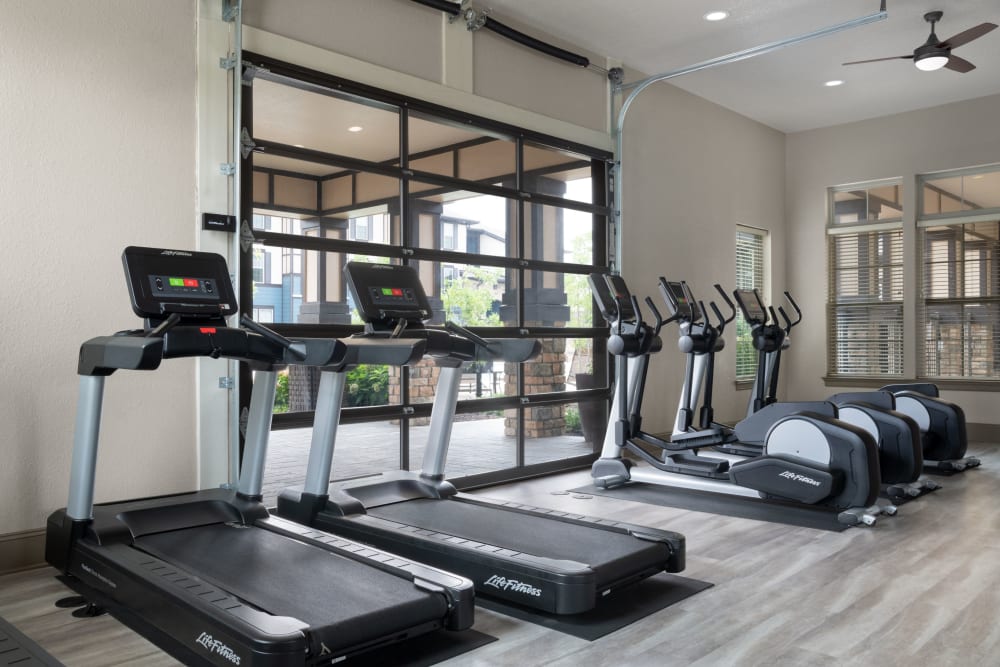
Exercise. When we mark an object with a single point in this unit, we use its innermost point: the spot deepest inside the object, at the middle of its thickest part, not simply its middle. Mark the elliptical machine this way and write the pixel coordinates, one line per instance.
(942, 426)
(897, 435)
(939, 425)
(808, 459)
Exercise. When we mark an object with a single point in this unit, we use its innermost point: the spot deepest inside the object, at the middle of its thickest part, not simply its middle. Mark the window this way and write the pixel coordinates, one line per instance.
(865, 265)
(263, 314)
(361, 228)
(750, 274)
(259, 260)
(449, 235)
(503, 225)
(959, 304)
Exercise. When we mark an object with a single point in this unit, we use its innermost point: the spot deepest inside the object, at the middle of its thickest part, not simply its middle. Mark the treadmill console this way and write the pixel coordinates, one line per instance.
(751, 305)
(384, 292)
(612, 297)
(162, 282)
(680, 301)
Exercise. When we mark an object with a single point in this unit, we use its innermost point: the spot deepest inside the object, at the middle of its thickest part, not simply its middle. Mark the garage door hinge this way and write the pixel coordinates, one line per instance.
(246, 143)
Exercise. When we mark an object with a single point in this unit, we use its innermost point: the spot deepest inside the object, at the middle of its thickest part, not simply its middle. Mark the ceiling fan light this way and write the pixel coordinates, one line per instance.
(931, 62)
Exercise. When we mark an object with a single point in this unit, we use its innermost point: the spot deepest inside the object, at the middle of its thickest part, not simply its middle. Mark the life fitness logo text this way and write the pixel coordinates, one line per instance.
(788, 474)
(215, 646)
(513, 585)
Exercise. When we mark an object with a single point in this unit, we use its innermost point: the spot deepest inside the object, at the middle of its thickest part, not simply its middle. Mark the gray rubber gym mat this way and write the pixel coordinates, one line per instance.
(615, 611)
(425, 650)
(17, 649)
(803, 516)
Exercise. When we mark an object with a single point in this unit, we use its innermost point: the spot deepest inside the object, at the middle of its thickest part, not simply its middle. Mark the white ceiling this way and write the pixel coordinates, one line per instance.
(783, 89)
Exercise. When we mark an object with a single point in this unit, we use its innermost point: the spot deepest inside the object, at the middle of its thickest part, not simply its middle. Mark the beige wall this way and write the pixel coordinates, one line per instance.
(904, 145)
(692, 172)
(397, 34)
(418, 41)
(97, 110)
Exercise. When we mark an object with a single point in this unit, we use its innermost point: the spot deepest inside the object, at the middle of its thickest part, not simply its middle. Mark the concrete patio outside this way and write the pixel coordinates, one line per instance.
(477, 446)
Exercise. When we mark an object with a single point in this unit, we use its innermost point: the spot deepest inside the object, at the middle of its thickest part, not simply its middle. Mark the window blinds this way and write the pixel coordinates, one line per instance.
(865, 309)
(959, 306)
(749, 275)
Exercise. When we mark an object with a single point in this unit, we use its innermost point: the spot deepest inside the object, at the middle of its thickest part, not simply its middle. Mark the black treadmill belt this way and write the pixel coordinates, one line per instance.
(743, 507)
(332, 593)
(17, 649)
(531, 534)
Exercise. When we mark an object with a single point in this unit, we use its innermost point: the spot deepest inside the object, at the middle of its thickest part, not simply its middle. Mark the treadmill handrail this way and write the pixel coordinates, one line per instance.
(103, 355)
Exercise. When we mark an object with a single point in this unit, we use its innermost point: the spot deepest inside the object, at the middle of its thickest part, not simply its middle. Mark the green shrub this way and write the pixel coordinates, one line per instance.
(367, 385)
(572, 416)
(281, 394)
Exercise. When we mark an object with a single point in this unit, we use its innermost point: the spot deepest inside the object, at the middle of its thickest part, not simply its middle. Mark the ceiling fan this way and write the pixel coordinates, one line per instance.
(936, 53)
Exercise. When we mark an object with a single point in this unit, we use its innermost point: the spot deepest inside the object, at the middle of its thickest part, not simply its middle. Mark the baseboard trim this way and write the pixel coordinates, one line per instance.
(22, 551)
(983, 432)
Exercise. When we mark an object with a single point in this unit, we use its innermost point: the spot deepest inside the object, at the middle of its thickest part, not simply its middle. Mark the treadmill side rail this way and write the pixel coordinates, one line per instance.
(204, 620)
(674, 541)
(458, 591)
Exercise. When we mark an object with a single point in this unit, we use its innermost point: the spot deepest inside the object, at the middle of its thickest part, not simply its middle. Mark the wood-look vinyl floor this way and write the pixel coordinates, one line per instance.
(921, 588)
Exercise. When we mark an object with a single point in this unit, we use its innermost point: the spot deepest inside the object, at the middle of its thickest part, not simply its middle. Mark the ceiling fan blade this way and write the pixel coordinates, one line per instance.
(875, 60)
(959, 64)
(967, 36)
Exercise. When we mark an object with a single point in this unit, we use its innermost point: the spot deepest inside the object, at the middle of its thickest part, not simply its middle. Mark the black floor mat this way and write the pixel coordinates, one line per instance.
(424, 651)
(614, 612)
(16, 649)
(820, 518)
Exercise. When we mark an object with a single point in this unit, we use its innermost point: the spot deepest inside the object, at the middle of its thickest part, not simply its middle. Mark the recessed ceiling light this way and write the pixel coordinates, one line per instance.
(834, 82)
(298, 145)
(355, 128)
(716, 16)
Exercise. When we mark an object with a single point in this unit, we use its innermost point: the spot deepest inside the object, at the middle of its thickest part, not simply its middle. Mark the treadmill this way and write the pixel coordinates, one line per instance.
(209, 576)
(549, 560)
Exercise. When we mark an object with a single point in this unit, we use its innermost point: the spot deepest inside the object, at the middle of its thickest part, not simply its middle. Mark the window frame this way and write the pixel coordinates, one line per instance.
(403, 249)
(953, 228)
(761, 282)
(867, 231)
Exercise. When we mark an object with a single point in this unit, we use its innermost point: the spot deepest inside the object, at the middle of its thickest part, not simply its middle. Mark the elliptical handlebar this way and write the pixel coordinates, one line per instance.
(718, 314)
(656, 316)
(695, 314)
(635, 307)
(723, 321)
(788, 320)
(798, 311)
(760, 302)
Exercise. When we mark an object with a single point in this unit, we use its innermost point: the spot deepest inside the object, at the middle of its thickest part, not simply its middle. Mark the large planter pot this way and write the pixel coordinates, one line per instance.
(593, 414)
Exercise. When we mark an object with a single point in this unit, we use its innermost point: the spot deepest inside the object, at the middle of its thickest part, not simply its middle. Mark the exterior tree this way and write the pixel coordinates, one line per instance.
(469, 298)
